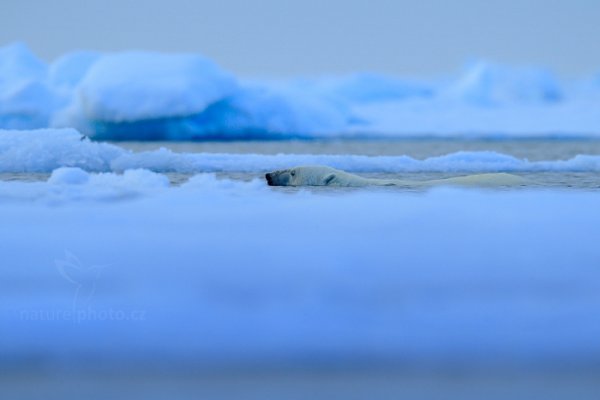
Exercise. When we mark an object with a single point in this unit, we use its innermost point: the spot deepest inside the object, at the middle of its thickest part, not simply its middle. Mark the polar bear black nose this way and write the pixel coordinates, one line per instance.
(269, 179)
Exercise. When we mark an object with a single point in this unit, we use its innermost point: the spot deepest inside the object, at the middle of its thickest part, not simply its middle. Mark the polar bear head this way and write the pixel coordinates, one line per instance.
(304, 176)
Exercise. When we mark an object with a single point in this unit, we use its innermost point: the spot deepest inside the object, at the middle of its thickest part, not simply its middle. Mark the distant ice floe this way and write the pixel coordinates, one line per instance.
(154, 96)
(365, 88)
(46, 150)
(485, 84)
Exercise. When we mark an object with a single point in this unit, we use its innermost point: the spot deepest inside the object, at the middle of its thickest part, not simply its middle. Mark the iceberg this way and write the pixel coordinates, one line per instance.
(250, 113)
(134, 86)
(26, 101)
(262, 112)
(69, 70)
(140, 95)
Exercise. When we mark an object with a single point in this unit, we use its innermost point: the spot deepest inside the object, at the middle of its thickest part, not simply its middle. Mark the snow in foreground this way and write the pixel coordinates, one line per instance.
(46, 150)
(151, 96)
(222, 273)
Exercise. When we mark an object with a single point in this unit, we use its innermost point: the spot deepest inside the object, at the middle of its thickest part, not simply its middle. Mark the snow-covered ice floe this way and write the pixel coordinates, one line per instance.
(218, 273)
(154, 96)
(48, 149)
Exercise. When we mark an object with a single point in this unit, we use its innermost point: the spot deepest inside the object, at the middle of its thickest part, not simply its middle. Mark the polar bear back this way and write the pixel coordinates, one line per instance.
(326, 176)
(494, 179)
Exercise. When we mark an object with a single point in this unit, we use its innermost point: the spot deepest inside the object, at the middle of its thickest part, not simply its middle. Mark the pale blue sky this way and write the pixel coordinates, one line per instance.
(278, 38)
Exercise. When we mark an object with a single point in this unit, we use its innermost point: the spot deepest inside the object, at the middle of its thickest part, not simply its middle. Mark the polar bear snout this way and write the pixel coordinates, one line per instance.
(276, 179)
(279, 178)
(269, 178)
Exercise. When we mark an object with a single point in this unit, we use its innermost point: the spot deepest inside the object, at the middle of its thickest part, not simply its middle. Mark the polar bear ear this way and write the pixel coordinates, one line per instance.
(329, 178)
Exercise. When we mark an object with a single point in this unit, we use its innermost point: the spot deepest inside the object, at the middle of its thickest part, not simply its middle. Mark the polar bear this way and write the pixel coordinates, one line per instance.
(320, 175)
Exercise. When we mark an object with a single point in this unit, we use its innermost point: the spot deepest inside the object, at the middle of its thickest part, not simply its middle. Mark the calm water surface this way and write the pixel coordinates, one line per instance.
(533, 150)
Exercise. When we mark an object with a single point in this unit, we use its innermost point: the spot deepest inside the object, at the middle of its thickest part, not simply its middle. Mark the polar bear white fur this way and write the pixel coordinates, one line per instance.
(320, 175)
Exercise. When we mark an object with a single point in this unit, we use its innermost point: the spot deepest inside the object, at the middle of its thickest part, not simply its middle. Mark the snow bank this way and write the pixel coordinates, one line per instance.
(71, 184)
(69, 176)
(152, 96)
(130, 178)
(46, 150)
(222, 273)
